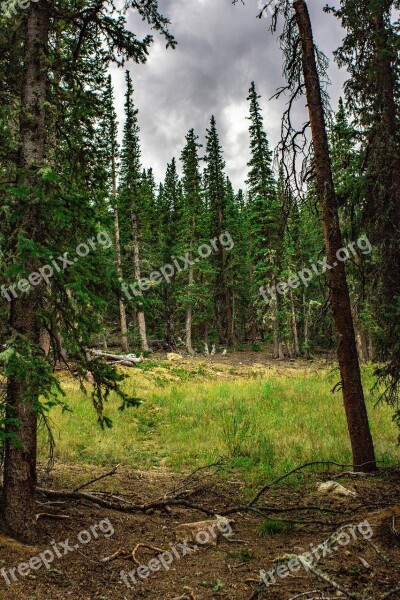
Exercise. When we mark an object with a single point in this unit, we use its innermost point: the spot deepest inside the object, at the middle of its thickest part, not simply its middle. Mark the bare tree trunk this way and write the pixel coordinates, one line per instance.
(306, 327)
(189, 312)
(278, 349)
(23, 392)
(136, 264)
(294, 326)
(353, 395)
(118, 261)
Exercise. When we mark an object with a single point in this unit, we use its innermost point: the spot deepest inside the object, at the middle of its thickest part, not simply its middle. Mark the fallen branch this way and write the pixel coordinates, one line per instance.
(108, 474)
(129, 360)
(300, 468)
(131, 553)
(51, 516)
(324, 577)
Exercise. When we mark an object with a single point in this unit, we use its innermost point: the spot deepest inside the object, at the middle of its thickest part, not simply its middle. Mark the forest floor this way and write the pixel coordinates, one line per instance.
(294, 518)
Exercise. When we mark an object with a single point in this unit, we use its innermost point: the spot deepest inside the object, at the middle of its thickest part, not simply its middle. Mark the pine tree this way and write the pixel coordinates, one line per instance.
(130, 191)
(169, 207)
(58, 199)
(264, 216)
(110, 128)
(353, 395)
(370, 53)
(190, 228)
(215, 189)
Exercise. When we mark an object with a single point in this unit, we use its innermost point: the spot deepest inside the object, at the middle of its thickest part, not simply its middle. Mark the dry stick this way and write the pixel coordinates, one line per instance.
(379, 553)
(310, 464)
(305, 594)
(164, 502)
(108, 474)
(327, 579)
(148, 547)
(50, 516)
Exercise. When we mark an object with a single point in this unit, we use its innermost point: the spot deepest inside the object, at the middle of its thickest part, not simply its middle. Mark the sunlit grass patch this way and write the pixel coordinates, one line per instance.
(263, 426)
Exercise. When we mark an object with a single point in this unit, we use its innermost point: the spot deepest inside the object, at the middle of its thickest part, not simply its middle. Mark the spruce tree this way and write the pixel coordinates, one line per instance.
(131, 195)
(110, 130)
(215, 189)
(190, 233)
(264, 218)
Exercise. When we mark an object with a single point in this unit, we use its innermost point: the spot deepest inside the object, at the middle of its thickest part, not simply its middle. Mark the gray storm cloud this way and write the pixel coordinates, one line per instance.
(221, 49)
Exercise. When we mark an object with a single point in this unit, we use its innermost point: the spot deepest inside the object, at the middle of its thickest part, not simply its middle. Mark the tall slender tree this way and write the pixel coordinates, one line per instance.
(191, 219)
(215, 188)
(110, 127)
(264, 215)
(130, 198)
(370, 51)
(353, 395)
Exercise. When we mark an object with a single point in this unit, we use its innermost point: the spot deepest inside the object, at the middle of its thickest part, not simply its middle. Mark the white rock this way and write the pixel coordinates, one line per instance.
(334, 489)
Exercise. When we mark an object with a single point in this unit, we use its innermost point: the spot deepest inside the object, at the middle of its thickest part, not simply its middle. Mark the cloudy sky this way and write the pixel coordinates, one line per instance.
(221, 49)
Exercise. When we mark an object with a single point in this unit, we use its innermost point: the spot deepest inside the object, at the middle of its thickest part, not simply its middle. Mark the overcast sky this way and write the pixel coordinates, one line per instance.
(221, 49)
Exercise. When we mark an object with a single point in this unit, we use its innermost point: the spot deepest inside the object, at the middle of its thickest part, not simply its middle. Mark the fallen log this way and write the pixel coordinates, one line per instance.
(128, 360)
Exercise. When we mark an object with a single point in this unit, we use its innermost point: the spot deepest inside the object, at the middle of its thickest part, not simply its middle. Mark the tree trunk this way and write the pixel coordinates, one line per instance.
(136, 264)
(278, 349)
(189, 312)
(353, 395)
(23, 391)
(294, 326)
(118, 262)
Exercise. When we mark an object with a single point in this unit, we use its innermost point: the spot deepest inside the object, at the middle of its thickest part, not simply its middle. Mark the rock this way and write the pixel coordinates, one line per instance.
(332, 488)
(172, 357)
(208, 533)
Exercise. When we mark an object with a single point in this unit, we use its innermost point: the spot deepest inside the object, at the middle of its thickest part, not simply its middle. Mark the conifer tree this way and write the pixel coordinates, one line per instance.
(264, 216)
(110, 128)
(59, 196)
(215, 188)
(370, 53)
(168, 206)
(131, 190)
(190, 228)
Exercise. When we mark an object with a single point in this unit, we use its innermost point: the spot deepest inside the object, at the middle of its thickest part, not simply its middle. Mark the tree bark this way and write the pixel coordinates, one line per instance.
(353, 395)
(189, 312)
(294, 326)
(137, 271)
(118, 262)
(278, 349)
(22, 391)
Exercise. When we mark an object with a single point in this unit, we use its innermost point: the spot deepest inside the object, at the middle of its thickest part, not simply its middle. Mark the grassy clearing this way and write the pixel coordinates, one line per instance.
(265, 423)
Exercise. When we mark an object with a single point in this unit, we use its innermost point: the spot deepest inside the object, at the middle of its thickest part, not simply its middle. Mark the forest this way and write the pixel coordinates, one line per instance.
(199, 379)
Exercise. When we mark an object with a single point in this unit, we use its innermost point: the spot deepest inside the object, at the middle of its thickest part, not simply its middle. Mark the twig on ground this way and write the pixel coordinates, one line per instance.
(94, 479)
(305, 594)
(379, 552)
(331, 582)
(148, 546)
(51, 516)
(116, 554)
(300, 468)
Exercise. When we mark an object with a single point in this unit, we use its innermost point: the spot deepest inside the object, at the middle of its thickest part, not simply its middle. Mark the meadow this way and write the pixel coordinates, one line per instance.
(260, 421)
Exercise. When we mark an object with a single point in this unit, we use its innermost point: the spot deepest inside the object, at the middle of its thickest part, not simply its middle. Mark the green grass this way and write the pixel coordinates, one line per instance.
(263, 426)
